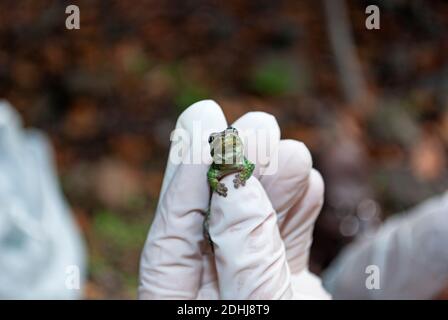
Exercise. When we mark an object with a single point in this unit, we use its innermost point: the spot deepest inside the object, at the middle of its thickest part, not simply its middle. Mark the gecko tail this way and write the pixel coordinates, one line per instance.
(209, 240)
(207, 233)
(212, 244)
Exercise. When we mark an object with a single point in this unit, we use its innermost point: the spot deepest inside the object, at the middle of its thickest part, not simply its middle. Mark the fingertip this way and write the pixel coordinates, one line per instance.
(258, 120)
(295, 159)
(189, 138)
(290, 179)
(317, 187)
(200, 107)
(261, 134)
(208, 112)
(9, 117)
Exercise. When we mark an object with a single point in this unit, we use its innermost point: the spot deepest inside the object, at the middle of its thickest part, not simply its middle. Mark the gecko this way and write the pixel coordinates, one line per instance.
(227, 151)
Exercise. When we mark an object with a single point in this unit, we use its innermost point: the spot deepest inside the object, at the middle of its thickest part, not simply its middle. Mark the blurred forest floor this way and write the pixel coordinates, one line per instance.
(109, 94)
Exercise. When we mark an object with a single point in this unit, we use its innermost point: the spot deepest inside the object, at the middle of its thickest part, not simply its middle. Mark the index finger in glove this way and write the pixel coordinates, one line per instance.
(171, 262)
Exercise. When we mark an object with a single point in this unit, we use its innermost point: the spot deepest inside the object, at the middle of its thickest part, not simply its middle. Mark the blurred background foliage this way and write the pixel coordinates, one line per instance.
(109, 94)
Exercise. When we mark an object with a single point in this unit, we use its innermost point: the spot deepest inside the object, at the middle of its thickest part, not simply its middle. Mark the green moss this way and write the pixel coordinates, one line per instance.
(98, 264)
(123, 234)
(275, 77)
(187, 90)
(137, 63)
(131, 284)
(189, 94)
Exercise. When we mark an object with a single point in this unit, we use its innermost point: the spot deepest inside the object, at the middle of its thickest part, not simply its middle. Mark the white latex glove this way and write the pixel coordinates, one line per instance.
(40, 245)
(262, 231)
(410, 251)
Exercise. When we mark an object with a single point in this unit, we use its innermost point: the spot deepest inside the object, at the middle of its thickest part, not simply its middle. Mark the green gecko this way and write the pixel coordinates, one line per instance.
(227, 151)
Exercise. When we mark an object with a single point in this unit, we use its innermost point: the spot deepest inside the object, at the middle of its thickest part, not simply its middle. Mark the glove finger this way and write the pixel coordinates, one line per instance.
(290, 181)
(249, 253)
(171, 262)
(298, 225)
(296, 193)
(261, 136)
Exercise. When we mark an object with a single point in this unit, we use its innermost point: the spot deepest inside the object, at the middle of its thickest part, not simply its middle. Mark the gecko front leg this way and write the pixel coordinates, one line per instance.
(243, 175)
(217, 186)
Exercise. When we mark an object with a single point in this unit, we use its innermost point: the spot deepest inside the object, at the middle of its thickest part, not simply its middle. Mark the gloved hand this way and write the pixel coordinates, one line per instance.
(262, 231)
(40, 244)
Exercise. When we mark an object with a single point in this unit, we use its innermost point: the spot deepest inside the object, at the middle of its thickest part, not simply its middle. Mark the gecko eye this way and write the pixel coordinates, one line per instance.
(232, 129)
(210, 139)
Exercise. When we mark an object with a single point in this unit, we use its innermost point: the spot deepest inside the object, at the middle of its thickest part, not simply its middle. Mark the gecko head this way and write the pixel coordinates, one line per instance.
(225, 146)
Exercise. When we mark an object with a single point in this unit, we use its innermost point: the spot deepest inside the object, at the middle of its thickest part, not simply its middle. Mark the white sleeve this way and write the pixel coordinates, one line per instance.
(409, 250)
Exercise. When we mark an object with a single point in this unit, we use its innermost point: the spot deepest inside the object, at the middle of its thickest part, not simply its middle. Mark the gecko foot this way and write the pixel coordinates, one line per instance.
(221, 189)
(238, 181)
